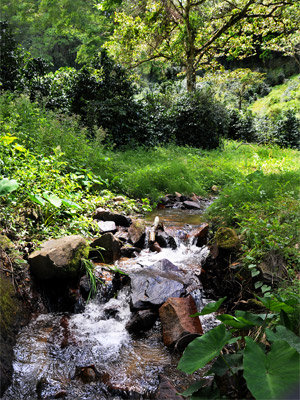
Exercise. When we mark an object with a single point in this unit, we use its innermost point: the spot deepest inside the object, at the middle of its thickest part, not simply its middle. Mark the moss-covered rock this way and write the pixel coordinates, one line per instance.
(226, 238)
(59, 258)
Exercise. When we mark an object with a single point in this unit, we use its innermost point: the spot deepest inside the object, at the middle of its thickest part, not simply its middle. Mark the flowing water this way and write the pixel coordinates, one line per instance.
(91, 355)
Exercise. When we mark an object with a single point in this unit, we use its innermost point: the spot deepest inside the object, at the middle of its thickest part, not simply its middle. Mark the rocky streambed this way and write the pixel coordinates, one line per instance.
(127, 340)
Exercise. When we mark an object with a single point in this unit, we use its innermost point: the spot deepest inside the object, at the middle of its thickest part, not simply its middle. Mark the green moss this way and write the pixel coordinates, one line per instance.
(9, 307)
(226, 238)
(81, 253)
(5, 243)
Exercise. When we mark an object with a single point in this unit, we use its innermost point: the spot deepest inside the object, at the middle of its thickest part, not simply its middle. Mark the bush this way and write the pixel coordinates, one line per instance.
(241, 126)
(287, 130)
(199, 120)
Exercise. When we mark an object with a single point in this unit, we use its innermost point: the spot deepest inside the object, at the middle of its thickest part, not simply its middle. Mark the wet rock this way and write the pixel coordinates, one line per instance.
(129, 251)
(166, 391)
(153, 285)
(107, 226)
(111, 245)
(87, 374)
(141, 321)
(192, 205)
(164, 240)
(179, 328)
(154, 246)
(59, 258)
(107, 215)
(226, 238)
(137, 233)
(200, 235)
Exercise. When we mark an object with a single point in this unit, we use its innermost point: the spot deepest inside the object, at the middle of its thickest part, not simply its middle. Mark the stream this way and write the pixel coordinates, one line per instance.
(100, 359)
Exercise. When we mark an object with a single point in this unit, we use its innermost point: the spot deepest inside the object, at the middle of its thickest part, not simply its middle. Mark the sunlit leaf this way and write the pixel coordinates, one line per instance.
(7, 186)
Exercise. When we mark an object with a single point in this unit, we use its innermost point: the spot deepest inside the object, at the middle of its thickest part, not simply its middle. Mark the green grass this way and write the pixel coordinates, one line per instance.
(281, 98)
(258, 186)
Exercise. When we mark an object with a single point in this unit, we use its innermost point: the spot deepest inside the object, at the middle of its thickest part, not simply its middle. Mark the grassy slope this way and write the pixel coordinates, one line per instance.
(281, 98)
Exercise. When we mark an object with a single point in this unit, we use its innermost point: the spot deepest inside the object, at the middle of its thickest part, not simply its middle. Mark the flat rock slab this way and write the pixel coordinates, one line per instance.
(59, 258)
(153, 285)
(179, 328)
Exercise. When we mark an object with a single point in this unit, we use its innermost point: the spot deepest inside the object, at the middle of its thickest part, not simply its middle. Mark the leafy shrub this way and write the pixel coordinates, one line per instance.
(199, 120)
(249, 367)
(287, 130)
(241, 126)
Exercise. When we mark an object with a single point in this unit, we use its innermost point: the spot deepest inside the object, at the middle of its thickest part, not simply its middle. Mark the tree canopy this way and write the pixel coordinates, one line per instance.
(196, 33)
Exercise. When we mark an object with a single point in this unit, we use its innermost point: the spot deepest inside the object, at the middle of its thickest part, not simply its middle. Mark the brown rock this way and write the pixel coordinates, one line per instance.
(178, 327)
(200, 235)
(111, 246)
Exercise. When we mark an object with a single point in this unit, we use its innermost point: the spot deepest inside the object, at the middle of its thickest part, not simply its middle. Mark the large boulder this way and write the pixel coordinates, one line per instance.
(59, 258)
(179, 328)
(110, 247)
(108, 215)
(153, 285)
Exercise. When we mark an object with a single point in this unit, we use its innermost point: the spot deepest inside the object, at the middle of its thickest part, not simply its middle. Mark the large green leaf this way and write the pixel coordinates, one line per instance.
(203, 349)
(7, 186)
(53, 199)
(210, 307)
(282, 333)
(269, 375)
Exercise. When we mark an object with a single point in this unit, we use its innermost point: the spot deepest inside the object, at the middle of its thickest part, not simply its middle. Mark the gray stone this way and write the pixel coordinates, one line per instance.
(192, 205)
(153, 285)
(59, 258)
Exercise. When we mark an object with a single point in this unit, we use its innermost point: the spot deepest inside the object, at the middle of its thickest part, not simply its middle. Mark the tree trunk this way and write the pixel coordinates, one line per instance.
(190, 75)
